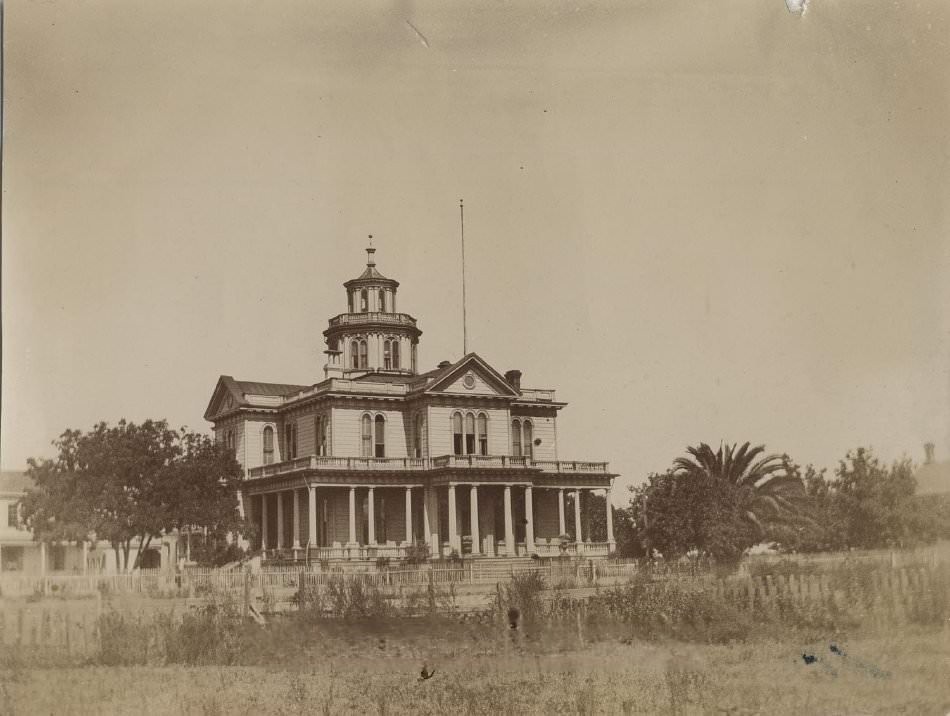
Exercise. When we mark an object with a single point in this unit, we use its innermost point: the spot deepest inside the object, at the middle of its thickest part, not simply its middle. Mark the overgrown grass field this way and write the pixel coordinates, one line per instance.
(671, 647)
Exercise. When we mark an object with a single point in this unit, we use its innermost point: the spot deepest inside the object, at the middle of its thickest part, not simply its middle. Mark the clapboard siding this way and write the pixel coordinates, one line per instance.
(440, 430)
(254, 436)
(347, 432)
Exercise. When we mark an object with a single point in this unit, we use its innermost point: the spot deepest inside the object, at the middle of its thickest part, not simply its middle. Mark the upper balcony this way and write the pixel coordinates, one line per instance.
(423, 464)
(362, 319)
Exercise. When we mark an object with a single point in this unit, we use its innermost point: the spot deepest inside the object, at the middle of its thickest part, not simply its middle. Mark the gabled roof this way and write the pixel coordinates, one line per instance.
(441, 378)
(239, 390)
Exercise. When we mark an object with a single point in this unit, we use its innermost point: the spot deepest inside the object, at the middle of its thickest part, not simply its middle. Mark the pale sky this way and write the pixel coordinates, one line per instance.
(697, 221)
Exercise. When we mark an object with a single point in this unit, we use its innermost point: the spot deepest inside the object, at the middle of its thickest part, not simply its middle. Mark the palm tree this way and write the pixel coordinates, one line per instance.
(766, 491)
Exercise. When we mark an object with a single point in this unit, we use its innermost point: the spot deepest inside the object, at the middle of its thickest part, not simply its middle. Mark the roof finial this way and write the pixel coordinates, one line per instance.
(370, 260)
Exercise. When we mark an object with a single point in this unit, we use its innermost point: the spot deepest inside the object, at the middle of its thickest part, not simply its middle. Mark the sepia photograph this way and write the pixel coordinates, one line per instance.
(500, 357)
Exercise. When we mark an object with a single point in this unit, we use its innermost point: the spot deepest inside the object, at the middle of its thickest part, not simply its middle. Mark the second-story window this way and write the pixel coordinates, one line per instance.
(13, 517)
(457, 439)
(482, 434)
(320, 437)
(380, 436)
(290, 441)
(229, 440)
(516, 438)
(268, 445)
(528, 440)
(418, 435)
(469, 434)
(366, 437)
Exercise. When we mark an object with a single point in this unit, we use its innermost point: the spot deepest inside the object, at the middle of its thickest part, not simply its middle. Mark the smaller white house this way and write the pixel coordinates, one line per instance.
(21, 555)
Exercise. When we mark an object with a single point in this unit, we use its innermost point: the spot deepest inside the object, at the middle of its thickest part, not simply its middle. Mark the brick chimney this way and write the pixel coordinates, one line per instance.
(928, 453)
(514, 379)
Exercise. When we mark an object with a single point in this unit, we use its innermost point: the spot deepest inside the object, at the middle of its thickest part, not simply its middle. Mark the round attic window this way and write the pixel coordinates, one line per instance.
(468, 381)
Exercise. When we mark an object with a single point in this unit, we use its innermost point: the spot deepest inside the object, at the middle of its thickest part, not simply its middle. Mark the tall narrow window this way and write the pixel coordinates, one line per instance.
(457, 434)
(387, 354)
(396, 354)
(349, 301)
(13, 516)
(355, 354)
(516, 438)
(268, 445)
(528, 440)
(380, 436)
(382, 301)
(364, 301)
(482, 434)
(366, 443)
(418, 436)
(469, 434)
(290, 441)
(364, 360)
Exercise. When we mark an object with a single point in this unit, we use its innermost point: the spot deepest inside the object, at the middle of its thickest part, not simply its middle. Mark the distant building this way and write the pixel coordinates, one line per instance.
(20, 554)
(933, 477)
(380, 456)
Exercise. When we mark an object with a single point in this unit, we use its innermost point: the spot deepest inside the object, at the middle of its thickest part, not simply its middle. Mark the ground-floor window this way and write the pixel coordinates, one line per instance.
(12, 558)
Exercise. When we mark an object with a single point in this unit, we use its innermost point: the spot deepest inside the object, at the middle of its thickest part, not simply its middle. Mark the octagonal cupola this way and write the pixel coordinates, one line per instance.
(371, 337)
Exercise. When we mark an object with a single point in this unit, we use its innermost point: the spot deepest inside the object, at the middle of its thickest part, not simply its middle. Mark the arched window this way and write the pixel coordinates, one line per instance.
(387, 354)
(268, 445)
(364, 360)
(382, 301)
(366, 434)
(457, 434)
(396, 354)
(469, 434)
(482, 434)
(364, 301)
(355, 354)
(380, 436)
(528, 440)
(516, 438)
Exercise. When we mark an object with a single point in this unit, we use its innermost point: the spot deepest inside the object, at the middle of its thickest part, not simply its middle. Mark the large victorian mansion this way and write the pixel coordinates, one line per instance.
(379, 456)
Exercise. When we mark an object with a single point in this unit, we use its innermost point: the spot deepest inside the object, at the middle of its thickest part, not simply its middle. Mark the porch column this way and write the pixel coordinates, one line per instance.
(296, 518)
(263, 526)
(280, 520)
(561, 523)
(529, 520)
(352, 515)
(43, 558)
(453, 522)
(312, 515)
(610, 524)
(426, 519)
(577, 516)
(371, 515)
(509, 528)
(85, 557)
(473, 516)
(409, 515)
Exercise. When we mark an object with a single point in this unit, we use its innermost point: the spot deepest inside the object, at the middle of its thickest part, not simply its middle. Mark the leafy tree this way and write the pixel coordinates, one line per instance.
(128, 484)
(676, 513)
(760, 487)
